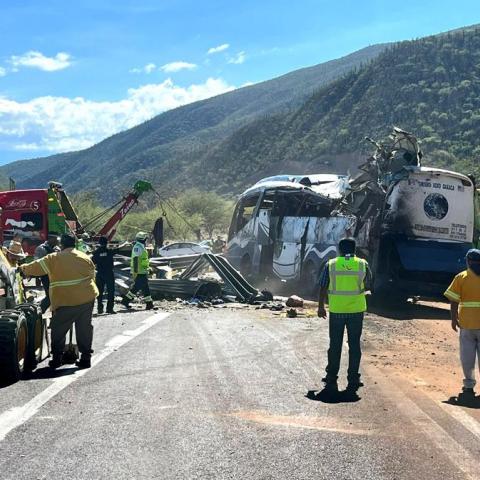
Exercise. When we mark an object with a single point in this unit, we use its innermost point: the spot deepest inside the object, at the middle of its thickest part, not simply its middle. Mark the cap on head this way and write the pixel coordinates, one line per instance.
(67, 240)
(103, 241)
(347, 246)
(85, 236)
(473, 255)
(141, 236)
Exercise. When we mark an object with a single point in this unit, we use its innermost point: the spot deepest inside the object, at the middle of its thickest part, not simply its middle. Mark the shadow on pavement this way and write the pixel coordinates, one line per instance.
(47, 372)
(326, 396)
(464, 400)
(408, 311)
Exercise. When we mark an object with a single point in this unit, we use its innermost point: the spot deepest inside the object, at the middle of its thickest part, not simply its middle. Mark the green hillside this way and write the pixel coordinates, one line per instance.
(160, 148)
(429, 86)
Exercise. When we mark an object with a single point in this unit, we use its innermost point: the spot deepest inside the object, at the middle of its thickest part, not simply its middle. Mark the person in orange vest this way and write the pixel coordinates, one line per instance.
(72, 295)
(464, 296)
(343, 282)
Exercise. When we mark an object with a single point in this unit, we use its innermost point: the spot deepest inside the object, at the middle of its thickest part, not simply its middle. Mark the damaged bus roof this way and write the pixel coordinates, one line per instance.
(326, 185)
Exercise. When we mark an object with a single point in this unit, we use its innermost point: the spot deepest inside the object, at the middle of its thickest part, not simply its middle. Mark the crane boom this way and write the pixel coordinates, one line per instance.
(109, 229)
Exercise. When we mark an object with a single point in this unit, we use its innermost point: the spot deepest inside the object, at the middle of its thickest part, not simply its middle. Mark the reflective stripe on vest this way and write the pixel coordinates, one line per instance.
(68, 283)
(470, 304)
(44, 266)
(346, 292)
(335, 273)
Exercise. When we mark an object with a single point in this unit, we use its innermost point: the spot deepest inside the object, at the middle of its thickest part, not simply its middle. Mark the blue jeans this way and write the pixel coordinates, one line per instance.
(353, 322)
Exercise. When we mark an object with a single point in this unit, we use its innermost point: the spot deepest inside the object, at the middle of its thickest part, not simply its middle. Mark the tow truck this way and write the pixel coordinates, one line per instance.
(31, 215)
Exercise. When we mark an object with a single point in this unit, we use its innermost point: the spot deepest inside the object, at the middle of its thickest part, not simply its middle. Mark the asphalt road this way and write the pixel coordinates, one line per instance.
(223, 393)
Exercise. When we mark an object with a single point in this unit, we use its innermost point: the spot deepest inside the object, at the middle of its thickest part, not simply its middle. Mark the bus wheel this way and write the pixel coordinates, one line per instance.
(246, 266)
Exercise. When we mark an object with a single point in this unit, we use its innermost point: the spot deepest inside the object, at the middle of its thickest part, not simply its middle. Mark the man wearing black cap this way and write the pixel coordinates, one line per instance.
(343, 282)
(103, 259)
(464, 296)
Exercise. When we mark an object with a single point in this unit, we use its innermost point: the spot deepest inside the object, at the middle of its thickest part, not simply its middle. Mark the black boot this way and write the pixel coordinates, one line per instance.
(150, 306)
(125, 302)
(100, 308)
(84, 362)
(55, 362)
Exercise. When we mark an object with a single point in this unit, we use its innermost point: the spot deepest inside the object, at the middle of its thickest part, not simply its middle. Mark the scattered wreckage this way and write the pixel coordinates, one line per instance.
(206, 277)
(414, 224)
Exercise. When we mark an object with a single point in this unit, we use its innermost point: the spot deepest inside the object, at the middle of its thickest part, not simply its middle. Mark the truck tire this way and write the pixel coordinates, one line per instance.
(13, 345)
(36, 334)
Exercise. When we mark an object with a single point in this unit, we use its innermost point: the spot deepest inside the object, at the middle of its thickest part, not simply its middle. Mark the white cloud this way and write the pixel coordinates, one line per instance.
(238, 59)
(218, 49)
(177, 66)
(34, 59)
(3, 72)
(148, 68)
(60, 124)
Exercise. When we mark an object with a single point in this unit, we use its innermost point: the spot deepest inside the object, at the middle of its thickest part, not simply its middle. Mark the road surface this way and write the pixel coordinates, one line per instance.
(232, 393)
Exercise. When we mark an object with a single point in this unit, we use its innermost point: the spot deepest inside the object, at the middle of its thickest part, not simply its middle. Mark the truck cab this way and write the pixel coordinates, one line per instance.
(427, 226)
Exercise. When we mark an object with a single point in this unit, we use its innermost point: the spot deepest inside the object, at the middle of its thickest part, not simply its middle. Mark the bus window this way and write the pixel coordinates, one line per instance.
(267, 201)
(243, 213)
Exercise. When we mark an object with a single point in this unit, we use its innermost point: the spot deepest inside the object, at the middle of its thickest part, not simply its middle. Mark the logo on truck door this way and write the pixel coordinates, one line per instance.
(435, 206)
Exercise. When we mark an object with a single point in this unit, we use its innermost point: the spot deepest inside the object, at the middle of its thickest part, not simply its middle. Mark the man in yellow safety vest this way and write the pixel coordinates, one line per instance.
(139, 266)
(343, 282)
(72, 295)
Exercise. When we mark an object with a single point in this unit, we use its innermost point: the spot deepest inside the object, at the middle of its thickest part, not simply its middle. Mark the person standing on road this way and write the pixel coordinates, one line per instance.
(343, 281)
(103, 259)
(139, 266)
(72, 294)
(44, 249)
(464, 296)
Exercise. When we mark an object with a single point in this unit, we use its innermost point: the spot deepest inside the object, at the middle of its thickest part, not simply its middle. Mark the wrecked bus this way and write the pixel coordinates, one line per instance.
(413, 224)
(282, 228)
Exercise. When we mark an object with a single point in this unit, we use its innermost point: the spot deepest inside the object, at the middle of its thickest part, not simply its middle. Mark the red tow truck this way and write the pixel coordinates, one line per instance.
(32, 214)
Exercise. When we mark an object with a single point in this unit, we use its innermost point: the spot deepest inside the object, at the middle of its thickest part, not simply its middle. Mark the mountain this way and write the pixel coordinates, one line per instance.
(429, 86)
(310, 121)
(163, 146)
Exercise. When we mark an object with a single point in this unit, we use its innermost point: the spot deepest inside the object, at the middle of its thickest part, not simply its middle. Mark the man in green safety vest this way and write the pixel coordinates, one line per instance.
(139, 266)
(343, 281)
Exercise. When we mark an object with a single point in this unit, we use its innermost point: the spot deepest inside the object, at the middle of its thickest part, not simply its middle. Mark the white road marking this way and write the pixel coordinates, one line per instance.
(17, 416)
(455, 452)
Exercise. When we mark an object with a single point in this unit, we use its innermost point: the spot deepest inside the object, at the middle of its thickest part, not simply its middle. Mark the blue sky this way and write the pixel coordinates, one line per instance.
(72, 73)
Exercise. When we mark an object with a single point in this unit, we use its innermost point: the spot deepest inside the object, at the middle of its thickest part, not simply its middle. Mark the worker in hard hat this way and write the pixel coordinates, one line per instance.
(343, 281)
(139, 265)
(82, 244)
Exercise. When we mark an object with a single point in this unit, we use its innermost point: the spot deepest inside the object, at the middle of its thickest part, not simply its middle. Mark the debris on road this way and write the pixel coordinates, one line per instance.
(295, 301)
(206, 277)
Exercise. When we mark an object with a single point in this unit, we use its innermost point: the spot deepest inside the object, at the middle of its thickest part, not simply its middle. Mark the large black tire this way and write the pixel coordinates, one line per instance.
(36, 333)
(13, 345)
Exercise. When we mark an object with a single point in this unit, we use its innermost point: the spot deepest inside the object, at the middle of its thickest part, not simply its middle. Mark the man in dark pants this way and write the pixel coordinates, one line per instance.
(139, 265)
(73, 292)
(343, 281)
(103, 259)
(44, 249)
